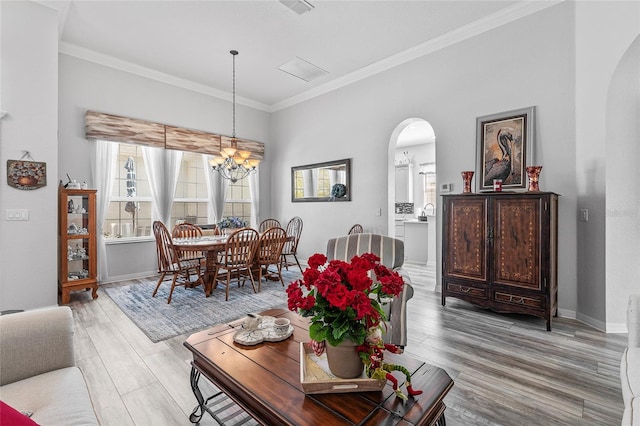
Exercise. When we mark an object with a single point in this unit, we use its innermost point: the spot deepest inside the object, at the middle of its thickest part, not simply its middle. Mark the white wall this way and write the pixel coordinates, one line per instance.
(623, 194)
(29, 93)
(88, 86)
(606, 249)
(507, 68)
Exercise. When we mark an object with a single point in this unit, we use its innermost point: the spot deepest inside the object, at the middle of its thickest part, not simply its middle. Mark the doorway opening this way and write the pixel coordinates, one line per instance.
(412, 183)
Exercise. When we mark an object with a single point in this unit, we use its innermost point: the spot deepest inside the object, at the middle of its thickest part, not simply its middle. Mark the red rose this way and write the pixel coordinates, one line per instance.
(338, 297)
(359, 279)
(317, 260)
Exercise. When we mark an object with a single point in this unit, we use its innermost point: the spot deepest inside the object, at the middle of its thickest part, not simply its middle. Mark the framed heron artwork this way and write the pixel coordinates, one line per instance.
(505, 145)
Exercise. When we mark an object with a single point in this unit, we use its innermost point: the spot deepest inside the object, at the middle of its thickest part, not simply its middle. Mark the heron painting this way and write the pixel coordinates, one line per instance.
(505, 145)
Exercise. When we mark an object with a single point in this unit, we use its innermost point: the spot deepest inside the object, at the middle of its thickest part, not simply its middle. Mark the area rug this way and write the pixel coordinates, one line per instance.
(189, 310)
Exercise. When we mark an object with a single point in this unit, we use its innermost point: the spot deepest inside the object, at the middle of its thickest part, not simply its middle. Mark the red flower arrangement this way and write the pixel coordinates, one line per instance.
(342, 298)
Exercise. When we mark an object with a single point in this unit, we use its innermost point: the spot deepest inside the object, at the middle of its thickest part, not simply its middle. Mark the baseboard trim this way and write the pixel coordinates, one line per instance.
(117, 278)
(617, 328)
(595, 323)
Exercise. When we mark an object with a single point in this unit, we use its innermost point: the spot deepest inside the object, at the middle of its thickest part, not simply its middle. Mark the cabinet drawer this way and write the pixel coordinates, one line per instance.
(477, 292)
(517, 299)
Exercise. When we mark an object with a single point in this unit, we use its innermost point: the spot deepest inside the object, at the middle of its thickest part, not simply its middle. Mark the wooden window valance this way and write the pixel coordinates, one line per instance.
(109, 127)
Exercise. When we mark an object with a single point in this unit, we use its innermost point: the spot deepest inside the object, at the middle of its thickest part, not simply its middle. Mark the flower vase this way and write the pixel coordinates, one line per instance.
(344, 360)
(534, 173)
(466, 178)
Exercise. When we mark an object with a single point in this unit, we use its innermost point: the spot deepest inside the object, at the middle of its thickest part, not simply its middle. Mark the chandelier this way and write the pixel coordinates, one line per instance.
(234, 164)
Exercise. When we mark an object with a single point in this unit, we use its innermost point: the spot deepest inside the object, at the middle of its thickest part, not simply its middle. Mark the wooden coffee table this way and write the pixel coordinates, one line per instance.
(265, 381)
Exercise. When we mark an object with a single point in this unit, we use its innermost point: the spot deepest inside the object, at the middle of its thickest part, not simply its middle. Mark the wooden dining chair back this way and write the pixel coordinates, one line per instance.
(188, 230)
(290, 249)
(356, 229)
(234, 264)
(268, 223)
(185, 272)
(269, 251)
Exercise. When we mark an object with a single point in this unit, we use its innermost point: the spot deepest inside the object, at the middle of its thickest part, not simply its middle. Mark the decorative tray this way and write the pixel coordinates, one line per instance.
(316, 377)
(264, 333)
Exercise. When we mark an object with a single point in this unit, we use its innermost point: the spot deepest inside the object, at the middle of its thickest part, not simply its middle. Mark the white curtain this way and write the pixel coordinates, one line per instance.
(309, 179)
(163, 166)
(103, 164)
(254, 193)
(216, 192)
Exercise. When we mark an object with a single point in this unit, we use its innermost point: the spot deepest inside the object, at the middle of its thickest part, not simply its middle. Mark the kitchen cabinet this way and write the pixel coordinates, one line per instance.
(416, 241)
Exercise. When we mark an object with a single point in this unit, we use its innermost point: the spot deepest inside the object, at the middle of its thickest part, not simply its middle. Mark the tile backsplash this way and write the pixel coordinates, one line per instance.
(404, 208)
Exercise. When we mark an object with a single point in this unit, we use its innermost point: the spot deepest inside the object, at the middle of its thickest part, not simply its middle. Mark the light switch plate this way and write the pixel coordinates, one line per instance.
(445, 188)
(16, 214)
(584, 215)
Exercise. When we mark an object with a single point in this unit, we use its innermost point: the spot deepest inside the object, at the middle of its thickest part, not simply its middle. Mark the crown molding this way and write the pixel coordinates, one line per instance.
(488, 23)
(465, 32)
(119, 64)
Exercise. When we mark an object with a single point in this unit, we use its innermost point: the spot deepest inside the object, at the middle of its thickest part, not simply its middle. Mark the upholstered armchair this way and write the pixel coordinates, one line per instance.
(391, 253)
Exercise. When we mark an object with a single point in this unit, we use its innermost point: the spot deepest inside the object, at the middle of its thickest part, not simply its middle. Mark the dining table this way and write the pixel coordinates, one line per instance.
(210, 246)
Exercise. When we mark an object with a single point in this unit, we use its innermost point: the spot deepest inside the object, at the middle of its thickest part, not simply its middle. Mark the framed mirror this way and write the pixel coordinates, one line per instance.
(329, 181)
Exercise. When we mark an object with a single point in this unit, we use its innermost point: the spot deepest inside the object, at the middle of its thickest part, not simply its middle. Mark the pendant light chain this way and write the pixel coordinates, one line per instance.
(234, 53)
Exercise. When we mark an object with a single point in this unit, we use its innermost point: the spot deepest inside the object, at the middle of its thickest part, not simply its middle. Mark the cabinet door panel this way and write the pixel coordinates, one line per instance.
(517, 242)
(466, 244)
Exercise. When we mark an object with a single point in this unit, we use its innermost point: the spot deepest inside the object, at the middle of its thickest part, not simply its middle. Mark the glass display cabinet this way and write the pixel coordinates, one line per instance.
(77, 242)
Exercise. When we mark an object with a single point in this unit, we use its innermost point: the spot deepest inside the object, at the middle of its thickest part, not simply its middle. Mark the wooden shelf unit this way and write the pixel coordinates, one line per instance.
(77, 245)
(500, 251)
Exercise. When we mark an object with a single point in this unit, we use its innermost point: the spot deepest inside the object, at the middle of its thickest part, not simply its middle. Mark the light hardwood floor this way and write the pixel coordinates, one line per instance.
(508, 370)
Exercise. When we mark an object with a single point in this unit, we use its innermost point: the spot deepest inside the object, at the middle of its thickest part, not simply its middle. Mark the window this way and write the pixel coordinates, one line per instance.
(190, 199)
(129, 213)
(238, 200)
(428, 172)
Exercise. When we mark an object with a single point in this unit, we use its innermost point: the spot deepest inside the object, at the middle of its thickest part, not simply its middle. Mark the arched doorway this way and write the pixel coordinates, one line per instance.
(412, 181)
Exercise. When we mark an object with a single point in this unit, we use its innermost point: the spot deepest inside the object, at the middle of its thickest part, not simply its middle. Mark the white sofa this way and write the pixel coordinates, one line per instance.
(37, 368)
(630, 365)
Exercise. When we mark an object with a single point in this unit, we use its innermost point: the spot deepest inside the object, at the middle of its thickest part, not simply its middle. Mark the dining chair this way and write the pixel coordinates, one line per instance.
(188, 230)
(269, 250)
(268, 223)
(294, 230)
(185, 272)
(236, 260)
(356, 229)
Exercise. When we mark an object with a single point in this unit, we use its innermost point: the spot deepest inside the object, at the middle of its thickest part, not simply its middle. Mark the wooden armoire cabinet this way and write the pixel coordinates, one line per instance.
(499, 251)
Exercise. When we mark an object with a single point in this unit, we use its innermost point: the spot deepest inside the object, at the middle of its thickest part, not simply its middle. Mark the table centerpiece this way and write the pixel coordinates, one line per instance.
(344, 301)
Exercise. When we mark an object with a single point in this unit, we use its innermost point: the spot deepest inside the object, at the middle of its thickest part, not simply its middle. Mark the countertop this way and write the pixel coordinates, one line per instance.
(415, 220)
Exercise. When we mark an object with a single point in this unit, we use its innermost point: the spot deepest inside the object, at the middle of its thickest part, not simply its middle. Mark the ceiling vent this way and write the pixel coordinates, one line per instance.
(298, 6)
(302, 69)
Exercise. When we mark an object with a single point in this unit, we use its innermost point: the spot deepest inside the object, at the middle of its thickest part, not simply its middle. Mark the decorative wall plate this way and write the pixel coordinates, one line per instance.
(22, 174)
